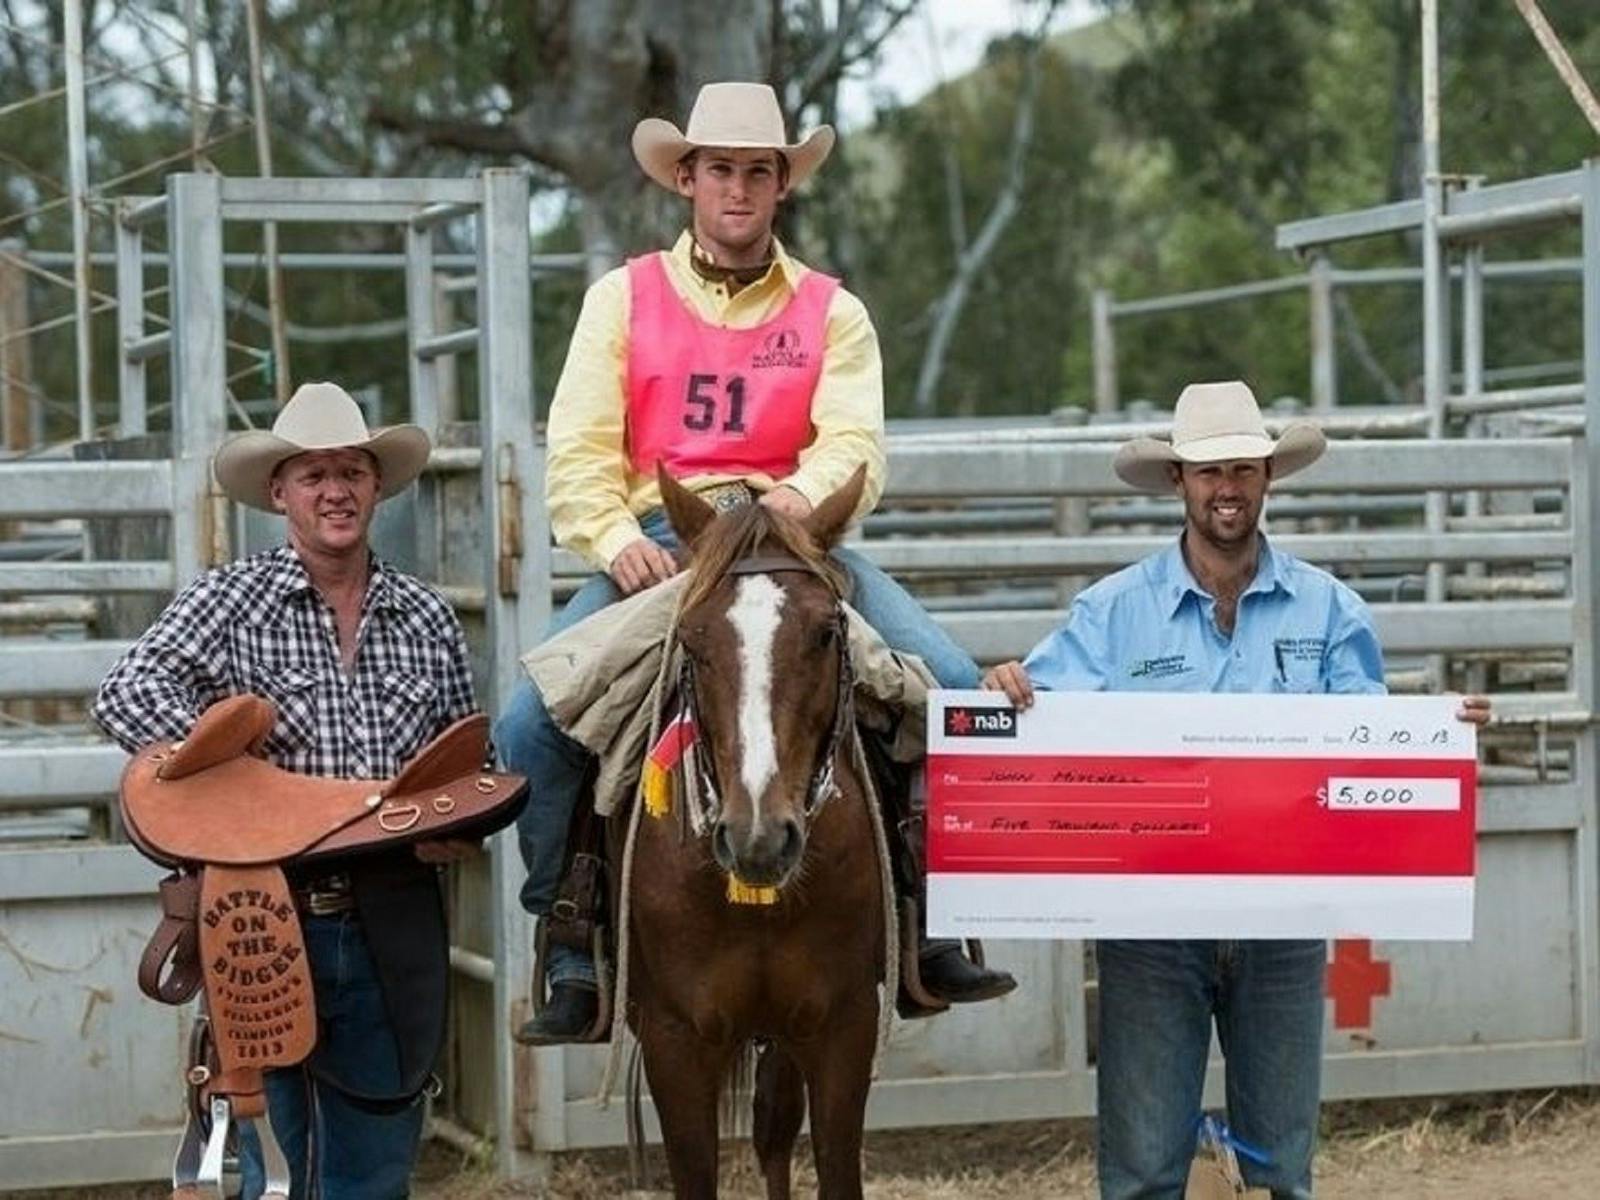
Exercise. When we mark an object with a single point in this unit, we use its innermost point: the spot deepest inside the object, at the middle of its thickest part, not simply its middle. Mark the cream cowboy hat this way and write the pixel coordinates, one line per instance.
(733, 116)
(319, 416)
(1215, 422)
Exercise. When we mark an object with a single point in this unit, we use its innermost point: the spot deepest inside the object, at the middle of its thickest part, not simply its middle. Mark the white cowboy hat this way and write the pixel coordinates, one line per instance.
(319, 416)
(1215, 422)
(732, 116)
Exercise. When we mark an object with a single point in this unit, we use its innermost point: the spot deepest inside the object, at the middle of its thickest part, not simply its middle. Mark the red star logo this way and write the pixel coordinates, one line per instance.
(960, 721)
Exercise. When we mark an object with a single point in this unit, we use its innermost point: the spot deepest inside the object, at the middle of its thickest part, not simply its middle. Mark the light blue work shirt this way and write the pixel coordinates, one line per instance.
(1151, 627)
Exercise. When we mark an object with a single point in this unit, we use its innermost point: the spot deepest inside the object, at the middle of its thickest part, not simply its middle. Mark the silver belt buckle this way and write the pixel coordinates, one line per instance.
(332, 894)
(326, 904)
(725, 497)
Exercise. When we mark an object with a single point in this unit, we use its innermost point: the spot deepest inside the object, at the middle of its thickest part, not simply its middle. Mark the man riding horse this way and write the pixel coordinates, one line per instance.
(749, 377)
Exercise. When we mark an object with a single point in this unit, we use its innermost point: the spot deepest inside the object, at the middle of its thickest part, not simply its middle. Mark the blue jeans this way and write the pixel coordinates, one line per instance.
(1157, 1002)
(530, 744)
(357, 1155)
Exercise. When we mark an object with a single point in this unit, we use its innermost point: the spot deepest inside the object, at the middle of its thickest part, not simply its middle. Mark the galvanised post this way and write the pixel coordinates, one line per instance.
(517, 601)
(1586, 622)
(1324, 352)
(424, 376)
(199, 367)
(132, 373)
(1472, 384)
(1104, 350)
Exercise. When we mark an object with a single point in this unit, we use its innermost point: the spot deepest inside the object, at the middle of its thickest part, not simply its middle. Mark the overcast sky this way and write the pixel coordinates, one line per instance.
(942, 40)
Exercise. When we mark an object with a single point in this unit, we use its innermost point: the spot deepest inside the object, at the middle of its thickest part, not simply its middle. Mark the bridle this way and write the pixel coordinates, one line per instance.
(704, 807)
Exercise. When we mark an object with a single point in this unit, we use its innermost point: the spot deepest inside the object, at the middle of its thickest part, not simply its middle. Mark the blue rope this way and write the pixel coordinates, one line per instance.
(1214, 1128)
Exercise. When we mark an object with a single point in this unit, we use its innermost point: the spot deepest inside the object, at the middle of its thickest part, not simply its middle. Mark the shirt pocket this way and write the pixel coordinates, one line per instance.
(293, 691)
(1294, 678)
(410, 712)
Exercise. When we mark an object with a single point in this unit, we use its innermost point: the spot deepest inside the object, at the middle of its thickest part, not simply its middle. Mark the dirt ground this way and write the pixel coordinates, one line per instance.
(1512, 1146)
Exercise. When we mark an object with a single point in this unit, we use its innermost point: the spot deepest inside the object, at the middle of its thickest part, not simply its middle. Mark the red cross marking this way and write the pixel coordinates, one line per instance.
(1354, 979)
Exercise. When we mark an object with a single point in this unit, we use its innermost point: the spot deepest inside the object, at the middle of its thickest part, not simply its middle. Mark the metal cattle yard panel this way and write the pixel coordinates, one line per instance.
(1515, 1007)
(102, 1101)
(1518, 1006)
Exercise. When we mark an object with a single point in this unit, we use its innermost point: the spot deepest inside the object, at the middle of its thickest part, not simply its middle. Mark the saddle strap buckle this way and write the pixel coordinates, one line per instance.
(576, 912)
(397, 818)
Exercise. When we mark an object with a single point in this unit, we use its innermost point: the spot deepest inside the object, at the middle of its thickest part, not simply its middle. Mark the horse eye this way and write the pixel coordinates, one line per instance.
(826, 636)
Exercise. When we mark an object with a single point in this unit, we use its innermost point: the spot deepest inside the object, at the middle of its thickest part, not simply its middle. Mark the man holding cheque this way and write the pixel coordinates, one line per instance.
(1221, 610)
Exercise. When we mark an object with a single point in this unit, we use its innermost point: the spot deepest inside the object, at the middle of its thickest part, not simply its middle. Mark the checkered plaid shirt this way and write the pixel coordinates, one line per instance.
(257, 625)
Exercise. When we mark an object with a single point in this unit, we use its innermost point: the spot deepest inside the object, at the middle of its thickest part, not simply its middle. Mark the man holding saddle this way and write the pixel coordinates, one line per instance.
(1226, 611)
(749, 377)
(364, 666)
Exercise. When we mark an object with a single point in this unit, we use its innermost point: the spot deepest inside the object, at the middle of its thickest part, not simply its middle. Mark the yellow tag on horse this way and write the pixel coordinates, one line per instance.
(740, 892)
(655, 784)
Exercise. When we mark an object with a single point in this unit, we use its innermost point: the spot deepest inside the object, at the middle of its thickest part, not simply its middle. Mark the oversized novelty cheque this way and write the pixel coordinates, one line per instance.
(1160, 815)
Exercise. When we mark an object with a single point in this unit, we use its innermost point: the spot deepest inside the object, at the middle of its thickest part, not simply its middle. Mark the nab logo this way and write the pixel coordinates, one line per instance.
(980, 722)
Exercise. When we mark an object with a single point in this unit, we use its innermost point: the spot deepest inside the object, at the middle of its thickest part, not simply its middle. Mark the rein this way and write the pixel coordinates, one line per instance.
(703, 805)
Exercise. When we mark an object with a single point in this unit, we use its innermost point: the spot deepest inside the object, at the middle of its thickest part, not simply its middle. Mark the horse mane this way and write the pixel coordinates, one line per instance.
(745, 531)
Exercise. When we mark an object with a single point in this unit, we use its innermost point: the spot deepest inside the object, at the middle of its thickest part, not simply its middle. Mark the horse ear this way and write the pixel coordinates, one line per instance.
(826, 523)
(688, 513)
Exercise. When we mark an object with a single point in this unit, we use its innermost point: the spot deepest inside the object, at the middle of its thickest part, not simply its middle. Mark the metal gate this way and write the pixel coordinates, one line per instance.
(100, 1102)
(1508, 575)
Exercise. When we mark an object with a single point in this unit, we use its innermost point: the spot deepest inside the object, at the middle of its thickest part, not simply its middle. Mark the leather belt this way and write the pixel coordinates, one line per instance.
(325, 896)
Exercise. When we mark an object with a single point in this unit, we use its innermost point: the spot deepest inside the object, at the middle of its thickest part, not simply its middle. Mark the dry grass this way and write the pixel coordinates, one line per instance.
(1506, 1146)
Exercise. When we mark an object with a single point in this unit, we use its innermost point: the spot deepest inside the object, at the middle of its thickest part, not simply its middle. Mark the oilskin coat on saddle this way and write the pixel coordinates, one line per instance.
(600, 681)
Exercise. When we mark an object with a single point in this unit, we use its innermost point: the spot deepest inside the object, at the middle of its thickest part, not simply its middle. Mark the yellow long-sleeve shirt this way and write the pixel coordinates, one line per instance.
(595, 497)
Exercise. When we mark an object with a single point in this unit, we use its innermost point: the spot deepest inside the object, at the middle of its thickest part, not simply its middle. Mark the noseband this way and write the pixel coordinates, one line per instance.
(705, 809)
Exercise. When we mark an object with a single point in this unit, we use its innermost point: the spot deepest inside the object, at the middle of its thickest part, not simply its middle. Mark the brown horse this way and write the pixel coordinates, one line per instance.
(767, 672)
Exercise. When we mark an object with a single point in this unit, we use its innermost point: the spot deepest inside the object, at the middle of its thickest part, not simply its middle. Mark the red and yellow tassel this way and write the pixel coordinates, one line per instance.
(655, 780)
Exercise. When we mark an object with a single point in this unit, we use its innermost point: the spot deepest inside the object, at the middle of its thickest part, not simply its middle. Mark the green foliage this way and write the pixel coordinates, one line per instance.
(1259, 112)
(1007, 351)
(1171, 138)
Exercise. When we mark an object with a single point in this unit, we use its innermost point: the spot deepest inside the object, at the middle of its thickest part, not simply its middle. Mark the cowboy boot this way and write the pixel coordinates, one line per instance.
(568, 1016)
(951, 976)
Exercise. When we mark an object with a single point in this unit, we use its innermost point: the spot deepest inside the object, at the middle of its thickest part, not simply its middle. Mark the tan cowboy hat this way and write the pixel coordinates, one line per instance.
(319, 416)
(1215, 422)
(731, 116)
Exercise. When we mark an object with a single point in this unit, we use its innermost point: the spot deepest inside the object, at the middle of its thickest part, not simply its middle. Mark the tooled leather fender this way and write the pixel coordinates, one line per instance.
(206, 804)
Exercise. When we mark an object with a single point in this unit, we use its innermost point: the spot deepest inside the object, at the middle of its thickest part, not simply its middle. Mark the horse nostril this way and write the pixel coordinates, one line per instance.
(794, 843)
(722, 844)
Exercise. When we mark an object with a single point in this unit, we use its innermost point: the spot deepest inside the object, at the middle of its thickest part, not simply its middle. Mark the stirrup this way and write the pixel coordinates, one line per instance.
(196, 1119)
(206, 1179)
(274, 1165)
(600, 1029)
(209, 1175)
(914, 1001)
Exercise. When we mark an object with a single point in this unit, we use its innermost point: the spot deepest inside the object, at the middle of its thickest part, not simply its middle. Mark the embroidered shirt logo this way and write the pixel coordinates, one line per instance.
(781, 349)
(1159, 668)
(980, 722)
(1287, 651)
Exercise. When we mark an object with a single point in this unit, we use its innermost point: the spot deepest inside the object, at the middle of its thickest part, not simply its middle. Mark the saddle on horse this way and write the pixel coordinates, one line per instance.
(229, 823)
(582, 916)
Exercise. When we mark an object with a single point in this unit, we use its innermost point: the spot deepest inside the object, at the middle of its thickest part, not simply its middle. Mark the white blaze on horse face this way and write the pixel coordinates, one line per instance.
(755, 615)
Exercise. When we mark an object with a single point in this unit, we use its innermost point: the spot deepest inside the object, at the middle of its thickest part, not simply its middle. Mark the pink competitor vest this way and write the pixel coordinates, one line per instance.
(705, 399)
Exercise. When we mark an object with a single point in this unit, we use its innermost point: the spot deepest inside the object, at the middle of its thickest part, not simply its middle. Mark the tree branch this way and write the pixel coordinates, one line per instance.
(470, 137)
(838, 56)
(1350, 333)
(1000, 214)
